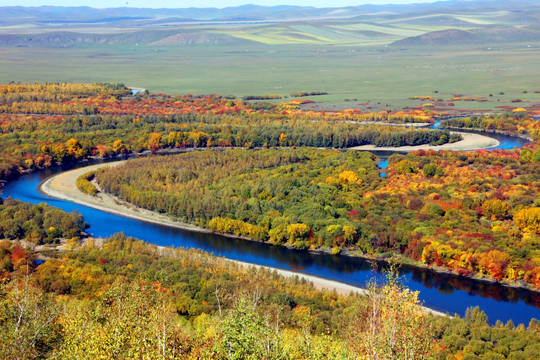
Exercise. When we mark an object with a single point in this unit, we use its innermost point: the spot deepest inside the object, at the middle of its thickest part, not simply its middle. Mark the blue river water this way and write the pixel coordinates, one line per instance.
(447, 293)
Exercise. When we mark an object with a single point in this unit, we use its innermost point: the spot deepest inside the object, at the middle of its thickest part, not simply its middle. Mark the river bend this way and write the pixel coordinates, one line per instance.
(443, 292)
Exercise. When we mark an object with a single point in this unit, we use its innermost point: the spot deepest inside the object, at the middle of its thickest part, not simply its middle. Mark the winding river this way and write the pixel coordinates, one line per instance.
(447, 293)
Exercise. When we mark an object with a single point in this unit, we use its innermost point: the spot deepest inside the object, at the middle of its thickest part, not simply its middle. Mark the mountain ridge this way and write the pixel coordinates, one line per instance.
(255, 12)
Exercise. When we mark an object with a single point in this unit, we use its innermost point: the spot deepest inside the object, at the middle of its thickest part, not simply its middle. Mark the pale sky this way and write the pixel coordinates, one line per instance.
(200, 3)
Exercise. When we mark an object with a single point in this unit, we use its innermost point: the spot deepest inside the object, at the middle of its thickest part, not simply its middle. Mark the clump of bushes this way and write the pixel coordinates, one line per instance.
(84, 184)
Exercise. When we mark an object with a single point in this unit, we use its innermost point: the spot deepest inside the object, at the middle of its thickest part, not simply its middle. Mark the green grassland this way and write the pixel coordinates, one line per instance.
(383, 75)
(351, 59)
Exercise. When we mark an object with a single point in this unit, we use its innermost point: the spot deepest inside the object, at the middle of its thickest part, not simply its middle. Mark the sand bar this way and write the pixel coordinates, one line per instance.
(470, 142)
(62, 186)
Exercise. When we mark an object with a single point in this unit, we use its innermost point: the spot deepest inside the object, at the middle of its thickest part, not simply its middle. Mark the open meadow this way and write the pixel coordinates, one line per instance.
(350, 75)
(367, 60)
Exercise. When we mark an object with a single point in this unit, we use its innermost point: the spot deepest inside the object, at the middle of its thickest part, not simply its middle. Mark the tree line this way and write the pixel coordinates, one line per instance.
(45, 124)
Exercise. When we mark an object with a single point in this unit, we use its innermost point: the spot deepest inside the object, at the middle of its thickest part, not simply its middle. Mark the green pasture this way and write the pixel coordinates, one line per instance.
(382, 76)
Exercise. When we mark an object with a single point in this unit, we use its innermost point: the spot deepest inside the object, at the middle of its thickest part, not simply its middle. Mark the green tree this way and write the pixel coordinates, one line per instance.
(27, 321)
(430, 170)
(390, 325)
(245, 335)
(405, 167)
(536, 156)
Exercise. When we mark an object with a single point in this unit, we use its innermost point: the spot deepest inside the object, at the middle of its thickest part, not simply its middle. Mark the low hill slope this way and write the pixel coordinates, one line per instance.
(198, 39)
(490, 34)
(155, 37)
(441, 37)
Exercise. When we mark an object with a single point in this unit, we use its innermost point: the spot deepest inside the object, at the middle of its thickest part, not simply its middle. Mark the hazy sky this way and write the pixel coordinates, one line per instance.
(200, 3)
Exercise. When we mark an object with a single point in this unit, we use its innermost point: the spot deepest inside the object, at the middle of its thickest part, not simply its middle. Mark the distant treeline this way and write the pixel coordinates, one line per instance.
(514, 123)
(308, 93)
(407, 138)
(44, 124)
(277, 96)
(261, 97)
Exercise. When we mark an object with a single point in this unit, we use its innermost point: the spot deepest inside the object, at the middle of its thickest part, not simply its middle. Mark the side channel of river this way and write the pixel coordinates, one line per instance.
(441, 292)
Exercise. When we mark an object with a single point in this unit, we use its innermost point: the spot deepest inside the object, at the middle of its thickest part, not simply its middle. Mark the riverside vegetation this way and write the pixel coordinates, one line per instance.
(415, 211)
(42, 124)
(475, 213)
(129, 299)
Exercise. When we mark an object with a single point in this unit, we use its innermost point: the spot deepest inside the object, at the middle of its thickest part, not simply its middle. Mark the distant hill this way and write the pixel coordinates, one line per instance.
(439, 23)
(492, 34)
(59, 14)
(187, 38)
(158, 38)
(441, 37)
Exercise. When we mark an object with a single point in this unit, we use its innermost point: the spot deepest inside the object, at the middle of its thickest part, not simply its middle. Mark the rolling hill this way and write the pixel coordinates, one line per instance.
(439, 23)
(492, 34)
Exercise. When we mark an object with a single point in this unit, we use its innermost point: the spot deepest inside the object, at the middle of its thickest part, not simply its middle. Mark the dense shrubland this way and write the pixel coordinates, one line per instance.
(37, 224)
(297, 197)
(84, 183)
(514, 123)
(475, 212)
(307, 93)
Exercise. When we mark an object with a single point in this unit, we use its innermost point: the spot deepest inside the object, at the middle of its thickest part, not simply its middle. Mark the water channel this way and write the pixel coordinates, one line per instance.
(443, 292)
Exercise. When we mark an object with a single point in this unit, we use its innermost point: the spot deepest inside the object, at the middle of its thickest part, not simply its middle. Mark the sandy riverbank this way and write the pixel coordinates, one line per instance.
(63, 186)
(470, 142)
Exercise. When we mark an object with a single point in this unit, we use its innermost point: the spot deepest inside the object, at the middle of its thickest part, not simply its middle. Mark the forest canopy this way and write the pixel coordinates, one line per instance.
(102, 299)
(299, 197)
(443, 209)
(474, 213)
(45, 124)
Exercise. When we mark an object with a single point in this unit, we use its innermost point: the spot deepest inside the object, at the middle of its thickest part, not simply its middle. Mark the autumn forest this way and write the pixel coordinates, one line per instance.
(263, 170)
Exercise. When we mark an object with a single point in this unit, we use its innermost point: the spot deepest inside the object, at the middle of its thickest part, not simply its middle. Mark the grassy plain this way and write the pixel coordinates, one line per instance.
(377, 74)
(348, 58)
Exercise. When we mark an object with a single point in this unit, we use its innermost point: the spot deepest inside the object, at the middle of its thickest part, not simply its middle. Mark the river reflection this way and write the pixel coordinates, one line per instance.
(448, 284)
